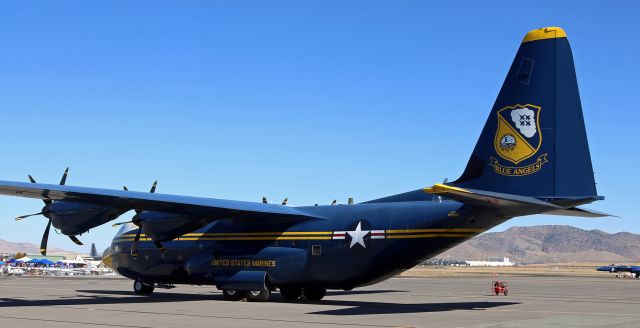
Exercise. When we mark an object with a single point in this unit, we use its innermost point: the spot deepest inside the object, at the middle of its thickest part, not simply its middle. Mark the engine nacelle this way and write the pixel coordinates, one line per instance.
(163, 226)
(74, 218)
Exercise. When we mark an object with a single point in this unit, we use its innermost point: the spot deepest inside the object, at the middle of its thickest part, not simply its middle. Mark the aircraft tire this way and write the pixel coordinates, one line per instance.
(291, 293)
(258, 295)
(314, 293)
(141, 287)
(233, 295)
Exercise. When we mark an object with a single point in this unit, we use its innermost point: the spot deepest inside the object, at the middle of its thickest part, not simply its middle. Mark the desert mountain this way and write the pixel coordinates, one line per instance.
(14, 247)
(550, 243)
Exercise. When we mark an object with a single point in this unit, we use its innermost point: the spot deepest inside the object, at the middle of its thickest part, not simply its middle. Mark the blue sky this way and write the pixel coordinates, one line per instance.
(311, 101)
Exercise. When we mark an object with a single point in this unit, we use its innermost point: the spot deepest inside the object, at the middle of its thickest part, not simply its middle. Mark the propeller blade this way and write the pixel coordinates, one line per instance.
(125, 188)
(159, 245)
(350, 201)
(334, 202)
(64, 177)
(45, 240)
(264, 200)
(284, 202)
(76, 240)
(153, 188)
(134, 246)
(46, 201)
(28, 215)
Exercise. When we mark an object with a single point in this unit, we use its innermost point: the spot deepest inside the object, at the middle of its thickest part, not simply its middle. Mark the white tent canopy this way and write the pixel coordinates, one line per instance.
(24, 259)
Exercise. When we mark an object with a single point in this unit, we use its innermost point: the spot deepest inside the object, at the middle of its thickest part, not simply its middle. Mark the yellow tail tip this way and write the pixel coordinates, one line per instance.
(551, 32)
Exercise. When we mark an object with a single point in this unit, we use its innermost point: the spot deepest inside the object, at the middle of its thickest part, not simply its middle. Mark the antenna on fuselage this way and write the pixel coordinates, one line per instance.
(438, 198)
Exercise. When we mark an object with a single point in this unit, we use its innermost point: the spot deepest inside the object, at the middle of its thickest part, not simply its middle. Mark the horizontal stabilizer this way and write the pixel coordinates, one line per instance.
(490, 199)
(580, 212)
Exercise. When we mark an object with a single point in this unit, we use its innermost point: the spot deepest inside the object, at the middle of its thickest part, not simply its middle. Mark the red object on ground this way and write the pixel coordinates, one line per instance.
(498, 287)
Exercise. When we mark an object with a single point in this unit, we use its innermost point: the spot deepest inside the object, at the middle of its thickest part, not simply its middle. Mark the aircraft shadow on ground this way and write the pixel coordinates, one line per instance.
(367, 308)
(346, 307)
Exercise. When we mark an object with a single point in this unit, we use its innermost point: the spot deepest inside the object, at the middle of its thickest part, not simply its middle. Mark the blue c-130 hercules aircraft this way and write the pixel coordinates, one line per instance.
(532, 157)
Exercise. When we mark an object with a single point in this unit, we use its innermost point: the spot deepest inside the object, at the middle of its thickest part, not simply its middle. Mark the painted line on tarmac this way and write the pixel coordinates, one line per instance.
(303, 322)
(76, 322)
(568, 312)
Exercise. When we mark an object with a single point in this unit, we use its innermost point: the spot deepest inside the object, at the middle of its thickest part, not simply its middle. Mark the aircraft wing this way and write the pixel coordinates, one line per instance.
(214, 208)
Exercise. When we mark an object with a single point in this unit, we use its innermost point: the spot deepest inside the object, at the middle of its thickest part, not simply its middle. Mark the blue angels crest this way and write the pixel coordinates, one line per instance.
(518, 138)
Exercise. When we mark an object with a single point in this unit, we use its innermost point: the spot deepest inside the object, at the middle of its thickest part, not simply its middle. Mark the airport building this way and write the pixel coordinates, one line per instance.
(492, 262)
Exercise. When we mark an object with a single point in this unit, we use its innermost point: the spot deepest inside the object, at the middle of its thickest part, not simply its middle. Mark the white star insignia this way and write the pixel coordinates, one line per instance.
(357, 236)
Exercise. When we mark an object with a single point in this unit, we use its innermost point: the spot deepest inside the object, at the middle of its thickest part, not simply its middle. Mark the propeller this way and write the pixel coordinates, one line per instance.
(284, 202)
(136, 221)
(46, 213)
(334, 202)
(350, 201)
(264, 200)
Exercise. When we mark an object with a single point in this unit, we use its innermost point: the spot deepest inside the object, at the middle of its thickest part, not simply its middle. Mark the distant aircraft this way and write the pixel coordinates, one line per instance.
(532, 157)
(618, 269)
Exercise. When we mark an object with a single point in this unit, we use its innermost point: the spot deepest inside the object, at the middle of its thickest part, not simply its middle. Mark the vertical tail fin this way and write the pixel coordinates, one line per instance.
(534, 142)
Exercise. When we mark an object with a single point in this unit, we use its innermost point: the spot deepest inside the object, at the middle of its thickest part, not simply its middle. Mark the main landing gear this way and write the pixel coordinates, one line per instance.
(250, 296)
(142, 287)
(314, 293)
(309, 293)
(291, 294)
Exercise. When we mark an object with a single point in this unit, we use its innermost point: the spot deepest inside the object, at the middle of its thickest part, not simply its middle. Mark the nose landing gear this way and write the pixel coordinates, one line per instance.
(142, 287)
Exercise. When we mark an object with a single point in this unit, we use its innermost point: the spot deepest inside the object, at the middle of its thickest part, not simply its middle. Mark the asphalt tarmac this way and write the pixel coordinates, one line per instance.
(398, 302)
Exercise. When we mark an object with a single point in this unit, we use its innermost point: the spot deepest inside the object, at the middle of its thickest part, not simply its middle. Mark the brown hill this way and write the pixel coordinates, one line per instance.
(549, 244)
(14, 247)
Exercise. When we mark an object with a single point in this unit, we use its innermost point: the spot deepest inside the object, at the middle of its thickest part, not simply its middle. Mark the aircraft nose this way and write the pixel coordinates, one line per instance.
(107, 258)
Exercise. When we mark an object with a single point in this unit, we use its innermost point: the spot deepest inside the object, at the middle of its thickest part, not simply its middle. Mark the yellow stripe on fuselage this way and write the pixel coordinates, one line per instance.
(445, 230)
(430, 235)
(313, 235)
(238, 238)
(224, 234)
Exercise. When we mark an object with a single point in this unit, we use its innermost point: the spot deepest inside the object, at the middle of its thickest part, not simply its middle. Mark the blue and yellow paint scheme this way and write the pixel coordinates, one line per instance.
(532, 157)
(618, 268)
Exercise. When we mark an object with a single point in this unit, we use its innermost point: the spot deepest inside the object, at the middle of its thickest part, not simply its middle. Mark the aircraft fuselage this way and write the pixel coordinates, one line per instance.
(355, 245)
